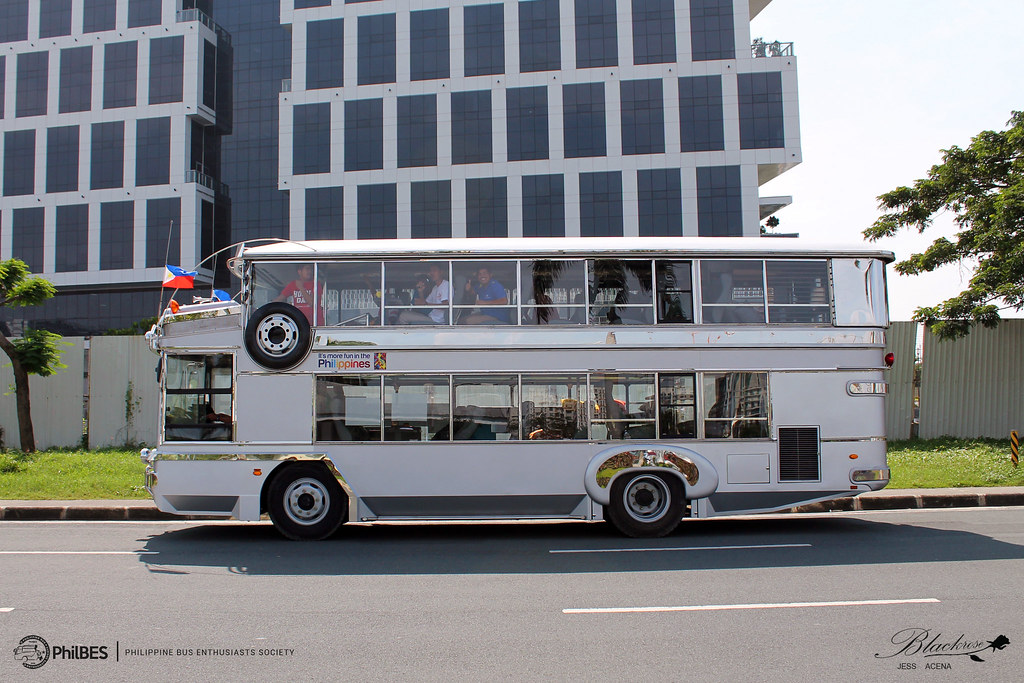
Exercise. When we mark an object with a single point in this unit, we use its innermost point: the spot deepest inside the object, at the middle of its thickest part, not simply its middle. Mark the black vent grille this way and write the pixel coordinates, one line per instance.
(798, 454)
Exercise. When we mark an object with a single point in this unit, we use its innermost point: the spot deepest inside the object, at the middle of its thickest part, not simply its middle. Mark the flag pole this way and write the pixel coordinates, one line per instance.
(167, 255)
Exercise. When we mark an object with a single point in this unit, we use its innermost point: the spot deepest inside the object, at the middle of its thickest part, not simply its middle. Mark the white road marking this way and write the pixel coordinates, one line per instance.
(6, 609)
(763, 605)
(701, 547)
(79, 552)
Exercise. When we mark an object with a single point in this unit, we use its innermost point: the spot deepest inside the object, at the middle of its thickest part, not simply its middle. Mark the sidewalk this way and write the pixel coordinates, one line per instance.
(886, 499)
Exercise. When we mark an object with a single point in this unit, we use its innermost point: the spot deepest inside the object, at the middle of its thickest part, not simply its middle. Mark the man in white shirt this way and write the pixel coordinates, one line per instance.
(439, 295)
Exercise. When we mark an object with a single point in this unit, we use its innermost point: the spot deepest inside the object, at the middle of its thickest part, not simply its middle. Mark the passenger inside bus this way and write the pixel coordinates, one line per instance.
(299, 293)
(483, 290)
(438, 293)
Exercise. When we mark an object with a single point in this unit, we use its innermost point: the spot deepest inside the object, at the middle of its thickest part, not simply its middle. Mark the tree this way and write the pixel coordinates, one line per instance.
(983, 186)
(37, 351)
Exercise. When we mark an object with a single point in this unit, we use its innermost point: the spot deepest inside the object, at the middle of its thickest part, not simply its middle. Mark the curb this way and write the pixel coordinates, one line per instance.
(147, 511)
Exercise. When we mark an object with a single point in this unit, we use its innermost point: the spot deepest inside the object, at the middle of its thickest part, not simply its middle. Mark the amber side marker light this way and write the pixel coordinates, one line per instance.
(853, 456)
(174, 306)
(890, 358)
(257, 472)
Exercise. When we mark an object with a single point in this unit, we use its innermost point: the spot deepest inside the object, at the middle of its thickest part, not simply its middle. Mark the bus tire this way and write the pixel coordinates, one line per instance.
(278, 336)
(646, 504)
(305, 502)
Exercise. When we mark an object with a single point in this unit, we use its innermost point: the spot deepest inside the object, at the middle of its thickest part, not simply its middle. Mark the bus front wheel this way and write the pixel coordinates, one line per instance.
(306, 503)
(646, 504)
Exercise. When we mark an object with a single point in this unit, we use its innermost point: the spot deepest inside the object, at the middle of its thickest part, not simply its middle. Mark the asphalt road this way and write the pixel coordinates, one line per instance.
(902, 595)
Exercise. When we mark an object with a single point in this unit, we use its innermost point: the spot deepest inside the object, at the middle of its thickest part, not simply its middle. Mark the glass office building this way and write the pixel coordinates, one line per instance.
(142, 132)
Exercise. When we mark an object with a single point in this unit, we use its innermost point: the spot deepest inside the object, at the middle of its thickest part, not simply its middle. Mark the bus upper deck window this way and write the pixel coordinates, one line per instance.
(293, 283)
(674, 282)
(554, 292)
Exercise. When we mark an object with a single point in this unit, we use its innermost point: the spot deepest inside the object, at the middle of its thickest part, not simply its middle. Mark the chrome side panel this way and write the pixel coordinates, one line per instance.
(699, 476)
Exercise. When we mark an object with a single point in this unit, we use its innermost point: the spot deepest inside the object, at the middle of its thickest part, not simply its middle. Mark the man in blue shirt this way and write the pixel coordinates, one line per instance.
(488, 292)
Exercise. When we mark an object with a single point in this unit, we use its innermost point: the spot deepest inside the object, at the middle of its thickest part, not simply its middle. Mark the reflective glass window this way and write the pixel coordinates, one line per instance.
(654, 32)
(163, 231)
(643, 117)
(416, 408)
(117, 235)
(62, 159)
(72, 234)
(120, 68)
(3, 84)
(364, 135)
(417, 293)
(143, 13)
(19, 162)
(197, 405)
(166, 66)
(99, 15)
(544, 205)
(377, 211)
(31, 84)
(735, 405)
(431, 208)
(596, 42)
(712, 34)
(486, 408)
(75, 80)
(701, 114)
(674, 283)
(311, 146)
(376, 49)
(621, 292)
(471, 127)
(554, 407)
(107, 164)
(54, 18)
(27, 236)
(486, 207)
(352, 293)
(584, 120)
(348, 408)
(13, 21)
(325, 213)
(660, 202)
(153, 151)
(623, 406)
(428, 44)
(798, 292)
(539, 36)
(732, 291)
(677, 406)
(527, 113)
(325, 54)
(719, 202)
(485, 292)
(209, 75)
(554, 292)
(601, 204)
(484, 28)
(762, 122)
(417, 131)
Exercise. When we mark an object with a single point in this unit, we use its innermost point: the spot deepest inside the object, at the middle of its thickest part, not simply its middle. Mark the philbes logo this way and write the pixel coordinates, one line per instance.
(352, 362)
(32, 652)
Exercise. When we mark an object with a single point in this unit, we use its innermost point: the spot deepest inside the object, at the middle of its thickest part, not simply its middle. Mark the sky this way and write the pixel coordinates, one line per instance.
(884, 86)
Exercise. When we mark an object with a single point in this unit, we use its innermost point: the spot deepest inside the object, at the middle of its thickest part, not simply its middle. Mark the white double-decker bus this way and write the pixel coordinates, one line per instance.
(638, 381)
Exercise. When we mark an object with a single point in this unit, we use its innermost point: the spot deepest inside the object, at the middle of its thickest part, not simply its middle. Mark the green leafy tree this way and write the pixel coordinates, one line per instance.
(983, 187)
(37, 352)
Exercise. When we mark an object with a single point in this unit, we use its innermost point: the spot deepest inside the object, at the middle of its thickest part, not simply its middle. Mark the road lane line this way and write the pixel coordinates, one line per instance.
(79, 552)
(702, 547)
(763, 605)
(6, 609)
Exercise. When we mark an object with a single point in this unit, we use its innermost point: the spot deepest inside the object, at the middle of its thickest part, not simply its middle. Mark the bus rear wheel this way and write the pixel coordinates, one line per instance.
(306, 503)
(646, 504)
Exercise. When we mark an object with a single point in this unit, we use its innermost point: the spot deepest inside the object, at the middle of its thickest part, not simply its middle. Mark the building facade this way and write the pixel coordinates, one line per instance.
(143, 132)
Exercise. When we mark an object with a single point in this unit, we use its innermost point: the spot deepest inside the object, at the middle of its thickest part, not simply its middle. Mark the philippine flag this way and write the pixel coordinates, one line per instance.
(179, 278)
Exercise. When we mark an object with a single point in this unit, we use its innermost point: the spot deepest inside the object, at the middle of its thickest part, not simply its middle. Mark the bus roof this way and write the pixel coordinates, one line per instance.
(553, 247)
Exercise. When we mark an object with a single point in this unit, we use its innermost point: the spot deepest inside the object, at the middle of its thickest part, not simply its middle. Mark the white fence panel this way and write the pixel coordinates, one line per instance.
(56, 400)
(901, 340)
(123, 392)
(973, 386)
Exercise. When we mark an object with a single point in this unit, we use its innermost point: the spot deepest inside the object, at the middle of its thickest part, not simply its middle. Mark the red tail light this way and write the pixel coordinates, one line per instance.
(890, 358)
